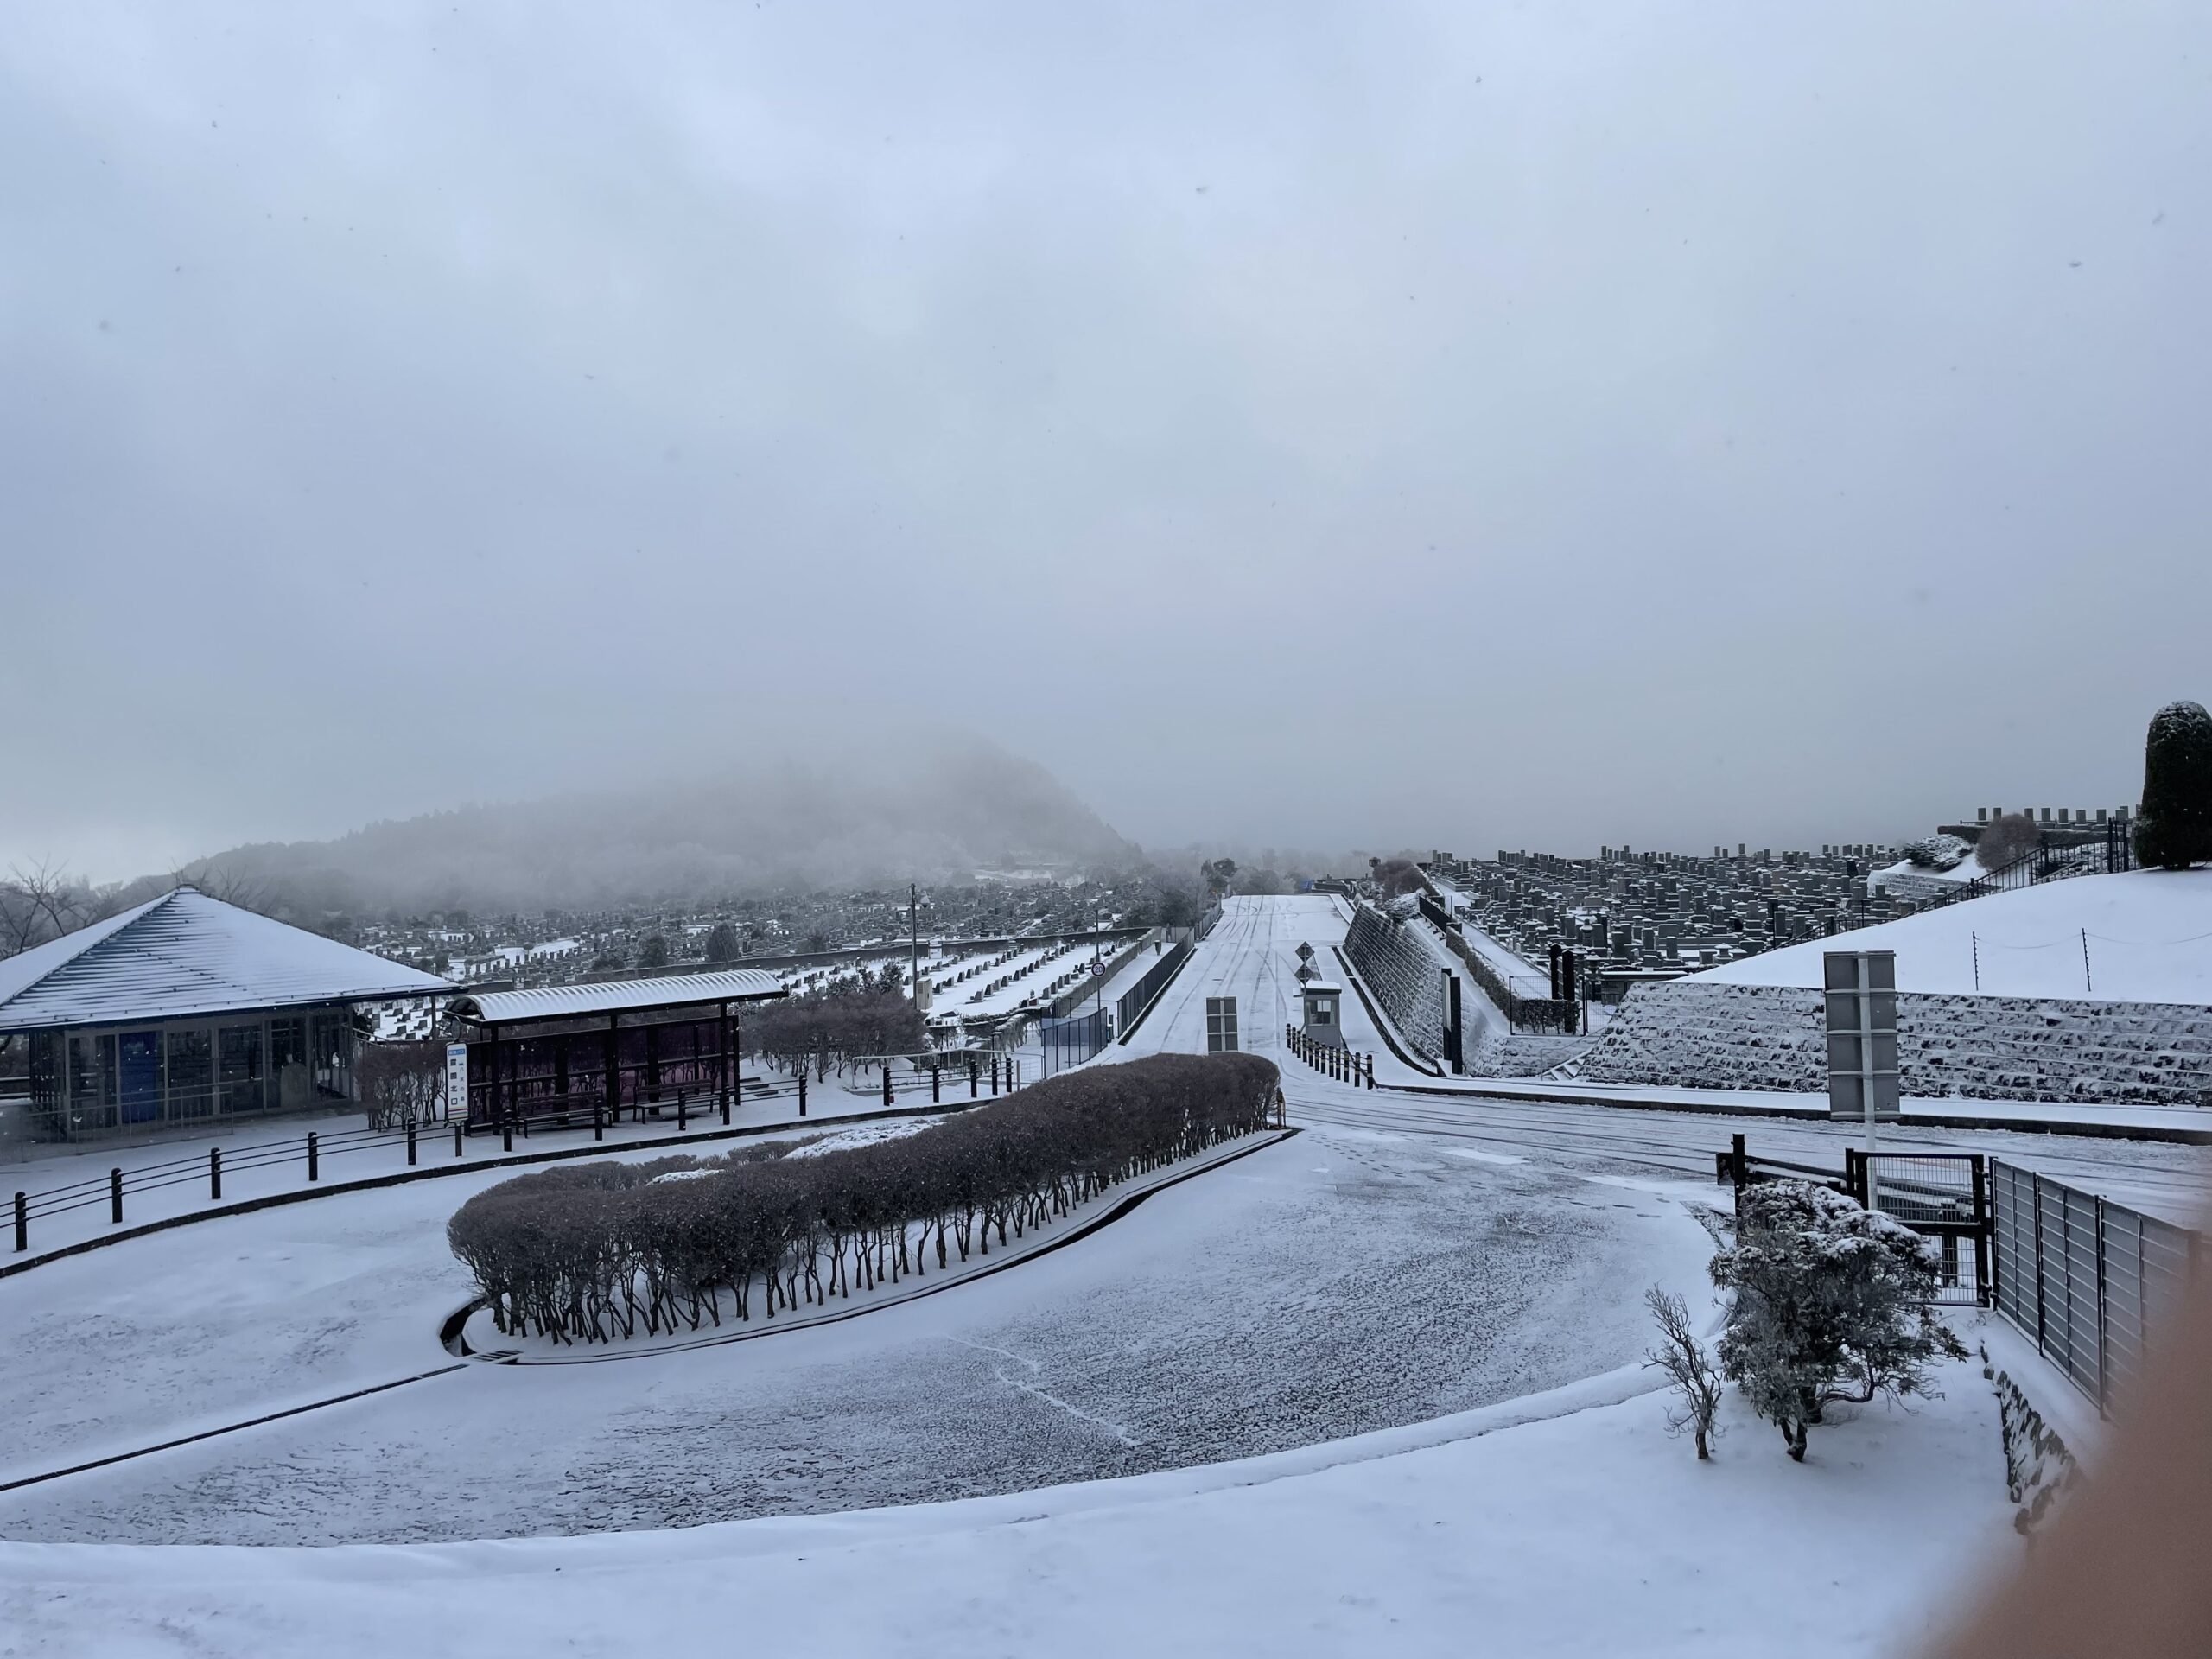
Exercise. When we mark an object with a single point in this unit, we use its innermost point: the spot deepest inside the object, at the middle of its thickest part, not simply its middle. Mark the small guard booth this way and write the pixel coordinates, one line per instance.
(1320, 998)
(570, 1053)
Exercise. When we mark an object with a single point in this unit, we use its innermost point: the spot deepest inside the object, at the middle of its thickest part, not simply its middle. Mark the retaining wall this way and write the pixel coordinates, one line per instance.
(1404, 975)
(1701, 1034)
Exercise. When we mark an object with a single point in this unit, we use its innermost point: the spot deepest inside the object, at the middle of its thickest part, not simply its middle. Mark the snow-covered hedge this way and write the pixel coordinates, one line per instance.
(590, 1252)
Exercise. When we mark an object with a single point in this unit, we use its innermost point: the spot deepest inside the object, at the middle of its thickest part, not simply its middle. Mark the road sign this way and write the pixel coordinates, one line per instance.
(1861, 998)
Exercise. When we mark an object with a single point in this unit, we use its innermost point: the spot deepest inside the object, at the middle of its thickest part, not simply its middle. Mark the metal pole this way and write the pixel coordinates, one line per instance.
(315, 1164)
(802, 1090)
(214, 1174)
(1873, 1197)
(2086, 984)
(23, 1221)
(458, 1127)
(410, 1144)
(115, 1195)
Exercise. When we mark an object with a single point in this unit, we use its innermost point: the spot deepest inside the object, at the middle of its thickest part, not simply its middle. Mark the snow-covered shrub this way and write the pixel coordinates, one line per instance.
(1831, 1306)
(1688, 1368)
(1937, 852)
(585, 1252)
(2174, 829)
(2007, 837)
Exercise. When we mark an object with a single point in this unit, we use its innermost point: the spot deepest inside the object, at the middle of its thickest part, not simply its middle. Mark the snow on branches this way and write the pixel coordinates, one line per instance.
(1831, 1307)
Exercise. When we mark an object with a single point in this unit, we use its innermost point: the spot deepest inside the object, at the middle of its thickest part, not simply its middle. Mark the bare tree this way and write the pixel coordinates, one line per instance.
(40, 903)
(400, 1083)
(1688, 1368)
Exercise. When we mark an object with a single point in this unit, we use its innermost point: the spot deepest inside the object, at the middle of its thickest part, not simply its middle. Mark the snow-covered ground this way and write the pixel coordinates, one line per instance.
(1411, 1331)
(1343, 1280)
(2148, 937)
(1532, 1528)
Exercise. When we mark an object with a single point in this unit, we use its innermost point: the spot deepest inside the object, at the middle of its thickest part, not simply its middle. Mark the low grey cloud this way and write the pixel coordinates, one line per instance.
(1322, 425)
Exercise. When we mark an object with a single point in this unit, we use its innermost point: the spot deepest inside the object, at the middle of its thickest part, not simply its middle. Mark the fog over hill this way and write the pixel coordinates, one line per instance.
(929, 814)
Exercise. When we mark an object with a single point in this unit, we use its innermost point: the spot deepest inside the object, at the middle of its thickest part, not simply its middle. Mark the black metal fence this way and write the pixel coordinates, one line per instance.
(1074, 1040)
(1132, 1004)
(1942, 1195)
(2084, 1278)
(2111, 853)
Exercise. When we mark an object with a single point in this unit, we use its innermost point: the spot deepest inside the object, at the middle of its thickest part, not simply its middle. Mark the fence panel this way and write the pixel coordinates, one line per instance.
(2086, 1279)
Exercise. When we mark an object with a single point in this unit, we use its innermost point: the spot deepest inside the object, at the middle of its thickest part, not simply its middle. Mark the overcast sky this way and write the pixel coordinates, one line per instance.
(1360, 424)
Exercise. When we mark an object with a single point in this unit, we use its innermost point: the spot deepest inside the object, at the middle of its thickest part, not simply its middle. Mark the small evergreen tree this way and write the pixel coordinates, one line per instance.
(2175, 828)
(653, 953)
(1831, 1307)
(722, 943)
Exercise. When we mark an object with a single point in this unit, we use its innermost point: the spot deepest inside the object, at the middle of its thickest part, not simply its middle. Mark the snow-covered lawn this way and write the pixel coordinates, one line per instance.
(1338, 1282)
(1530, 1529)
(2147, 935)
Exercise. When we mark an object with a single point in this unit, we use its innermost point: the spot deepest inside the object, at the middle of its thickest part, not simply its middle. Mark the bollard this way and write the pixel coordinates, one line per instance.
(974, 1086)
(887, 1082)
(506, 1134)
(411, 1143)
(936, 1078)
(214, 1174)
(315, 1164)
(115, 1195)
(456, 1137)
(725, 1111)
(995, 1074)
(598, 1122)
(23, 1221)
(802, 1094)
(682, 1110)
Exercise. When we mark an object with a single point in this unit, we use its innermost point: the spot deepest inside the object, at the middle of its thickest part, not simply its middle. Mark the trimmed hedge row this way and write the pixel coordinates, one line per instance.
(593, 1252)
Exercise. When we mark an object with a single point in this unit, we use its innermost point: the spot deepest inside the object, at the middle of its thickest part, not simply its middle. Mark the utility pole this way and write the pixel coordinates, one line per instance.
(914, 943)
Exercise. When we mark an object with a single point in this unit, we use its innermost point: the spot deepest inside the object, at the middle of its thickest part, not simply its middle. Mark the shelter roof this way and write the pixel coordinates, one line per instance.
(618, 996)
(185, 953)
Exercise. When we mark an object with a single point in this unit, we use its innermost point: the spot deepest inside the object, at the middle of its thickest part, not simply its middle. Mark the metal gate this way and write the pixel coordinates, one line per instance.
(1940, 1195)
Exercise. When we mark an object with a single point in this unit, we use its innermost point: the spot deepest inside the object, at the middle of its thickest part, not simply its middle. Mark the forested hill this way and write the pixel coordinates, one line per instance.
(924, 817)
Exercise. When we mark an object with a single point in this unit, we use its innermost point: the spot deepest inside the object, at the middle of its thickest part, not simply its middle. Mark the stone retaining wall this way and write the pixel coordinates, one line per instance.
(1404, 975)
(1703, 1034)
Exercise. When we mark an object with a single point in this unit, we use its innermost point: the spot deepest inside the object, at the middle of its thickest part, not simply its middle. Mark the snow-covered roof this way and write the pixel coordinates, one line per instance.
(1323, 985)
(619, 995)
(185, 953)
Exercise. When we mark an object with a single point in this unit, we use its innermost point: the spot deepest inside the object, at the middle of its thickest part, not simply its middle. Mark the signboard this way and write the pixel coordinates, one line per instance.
(457, 1079)
(1221, 1025)
(1860, 991)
